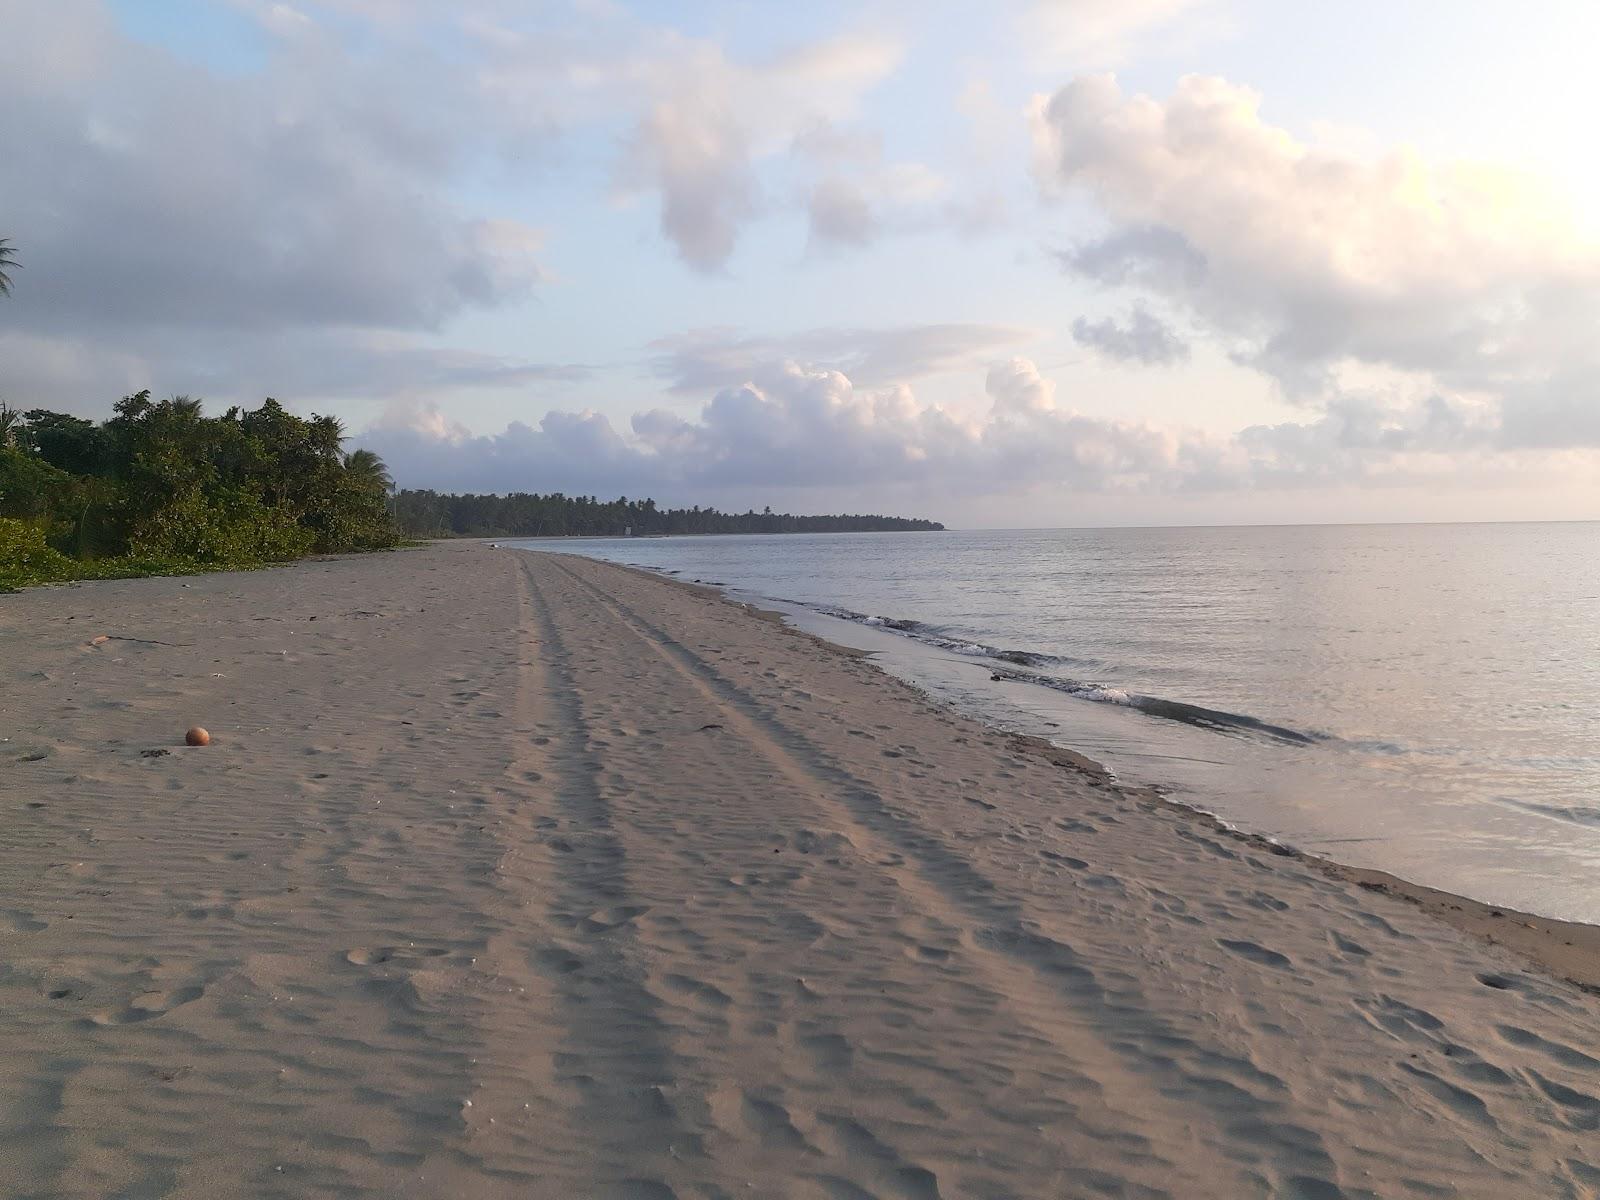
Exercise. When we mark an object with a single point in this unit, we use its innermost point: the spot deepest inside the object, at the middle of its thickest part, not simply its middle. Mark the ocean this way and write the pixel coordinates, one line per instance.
(1421, 699)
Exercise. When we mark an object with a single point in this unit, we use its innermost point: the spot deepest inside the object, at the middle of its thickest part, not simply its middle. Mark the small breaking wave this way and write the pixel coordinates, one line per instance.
(933, 635)
(1216, 719)
(1577, 815)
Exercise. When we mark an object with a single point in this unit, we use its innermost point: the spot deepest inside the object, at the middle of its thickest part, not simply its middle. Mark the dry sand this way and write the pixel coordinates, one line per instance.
(515, 875)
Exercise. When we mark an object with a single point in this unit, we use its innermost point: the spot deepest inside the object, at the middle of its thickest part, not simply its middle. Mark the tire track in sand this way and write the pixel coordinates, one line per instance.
(615, 1053)
(829, 1052)
(1181, 1114)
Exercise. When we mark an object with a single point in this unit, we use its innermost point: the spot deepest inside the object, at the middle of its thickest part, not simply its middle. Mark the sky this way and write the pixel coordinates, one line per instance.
(1026, 263)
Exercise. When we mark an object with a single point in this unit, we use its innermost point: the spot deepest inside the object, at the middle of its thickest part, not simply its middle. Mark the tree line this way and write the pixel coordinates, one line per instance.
(423, 513)
(161, 487)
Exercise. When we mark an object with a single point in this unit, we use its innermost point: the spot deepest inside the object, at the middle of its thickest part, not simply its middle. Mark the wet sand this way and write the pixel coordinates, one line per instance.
(523, 875)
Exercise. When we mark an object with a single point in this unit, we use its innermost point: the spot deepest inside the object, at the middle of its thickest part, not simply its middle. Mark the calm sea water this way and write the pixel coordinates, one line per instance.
(1420, 698)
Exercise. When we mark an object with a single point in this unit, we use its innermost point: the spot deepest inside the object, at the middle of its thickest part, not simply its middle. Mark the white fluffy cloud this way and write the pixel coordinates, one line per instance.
(1311, 263)
(804, 427)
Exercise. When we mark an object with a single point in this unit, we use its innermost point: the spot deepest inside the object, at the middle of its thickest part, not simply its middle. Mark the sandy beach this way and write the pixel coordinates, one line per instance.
(524, 875)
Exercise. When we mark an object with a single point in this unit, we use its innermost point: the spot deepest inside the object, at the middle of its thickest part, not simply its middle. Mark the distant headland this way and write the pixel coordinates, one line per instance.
(423, 513)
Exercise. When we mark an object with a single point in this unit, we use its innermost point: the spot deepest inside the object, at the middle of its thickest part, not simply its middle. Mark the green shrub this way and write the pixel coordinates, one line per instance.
(234, 529)
(27, 558)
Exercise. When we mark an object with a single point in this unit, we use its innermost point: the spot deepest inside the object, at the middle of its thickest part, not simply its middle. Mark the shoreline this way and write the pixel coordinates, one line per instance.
(1566, 950)
(512, 875)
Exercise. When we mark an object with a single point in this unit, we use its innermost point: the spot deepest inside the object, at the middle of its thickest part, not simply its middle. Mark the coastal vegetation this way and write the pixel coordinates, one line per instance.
(523, 514)
(161, 488)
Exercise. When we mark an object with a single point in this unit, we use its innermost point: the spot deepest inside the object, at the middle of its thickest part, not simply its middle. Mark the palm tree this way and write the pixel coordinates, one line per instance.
(8, 261)
(367, 470)
(326, 434)
(10, 424)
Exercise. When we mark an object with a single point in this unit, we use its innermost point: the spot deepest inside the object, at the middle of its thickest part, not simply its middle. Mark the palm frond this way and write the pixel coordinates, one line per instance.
(8, 263)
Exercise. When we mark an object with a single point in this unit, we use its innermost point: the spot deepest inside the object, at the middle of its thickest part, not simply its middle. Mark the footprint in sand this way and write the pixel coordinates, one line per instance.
(554, 960)
(1077, 864)
(1347, 946)
(698, 990)
(604, 919)
(1567, 1056)
(148, 1005)
(1255, 953)
(771, 1122)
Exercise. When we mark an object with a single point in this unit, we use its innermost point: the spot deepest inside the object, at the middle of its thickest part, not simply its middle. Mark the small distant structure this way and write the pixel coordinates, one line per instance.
(627, 531)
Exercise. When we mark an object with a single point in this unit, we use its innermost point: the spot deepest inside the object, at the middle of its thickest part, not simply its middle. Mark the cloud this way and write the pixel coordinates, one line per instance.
(1143, 255)
(812, 434)
(696, 154)
(1144, 339)
(150, 191)
(805, 428)
(858, 194)
(709, 120)
(1560, 411)
(1307, 256)
(840, 211)
(1314, 264)
(1360, 437)
(717, 358)
(182, 221)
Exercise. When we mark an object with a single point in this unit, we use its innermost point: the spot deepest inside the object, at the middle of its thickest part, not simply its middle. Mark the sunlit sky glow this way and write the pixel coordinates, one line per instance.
(1035, 262)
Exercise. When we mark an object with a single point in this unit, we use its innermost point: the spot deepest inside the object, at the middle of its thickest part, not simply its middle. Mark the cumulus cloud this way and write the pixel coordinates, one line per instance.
(1145, 339)
(805, 427)
(1307, 255)
(1306, 260)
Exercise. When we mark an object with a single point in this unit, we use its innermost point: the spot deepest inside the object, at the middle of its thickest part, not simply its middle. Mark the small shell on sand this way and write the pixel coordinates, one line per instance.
(197, 737)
